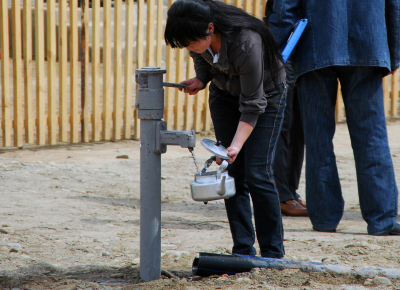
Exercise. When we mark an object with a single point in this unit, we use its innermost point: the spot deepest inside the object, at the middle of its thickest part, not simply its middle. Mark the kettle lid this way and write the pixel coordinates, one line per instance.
(215, 147)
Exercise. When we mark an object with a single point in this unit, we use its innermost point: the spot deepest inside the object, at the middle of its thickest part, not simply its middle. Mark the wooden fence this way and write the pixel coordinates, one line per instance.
(71, 77)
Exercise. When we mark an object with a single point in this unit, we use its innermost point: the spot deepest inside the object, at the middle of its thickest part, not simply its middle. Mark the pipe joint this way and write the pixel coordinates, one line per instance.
(164, 137)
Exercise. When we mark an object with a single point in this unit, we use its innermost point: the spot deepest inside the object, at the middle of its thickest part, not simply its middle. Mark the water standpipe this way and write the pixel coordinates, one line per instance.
(154, 138)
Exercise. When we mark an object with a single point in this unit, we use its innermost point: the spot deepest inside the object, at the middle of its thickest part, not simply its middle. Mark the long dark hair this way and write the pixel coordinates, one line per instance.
(188, 21)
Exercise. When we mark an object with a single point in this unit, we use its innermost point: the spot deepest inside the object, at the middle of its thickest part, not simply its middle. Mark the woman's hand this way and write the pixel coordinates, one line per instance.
(194, 85)
(233, 151)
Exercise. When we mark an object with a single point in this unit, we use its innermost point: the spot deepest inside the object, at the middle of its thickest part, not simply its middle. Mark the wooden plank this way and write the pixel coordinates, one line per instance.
(74, 58)
(386, 95)
(168, 91)
(85, 66)
(5, 77)
(247, 6)
(150, 33)
(17, 73)
(128, 114)
(160, 32)
(339, 112)
(106, 105)
(238, 3)
(139, 56)
(51, 72)
(206, 110)
(117, 114)
(169, 77)
(63, 71)
(40, 76)
(27, 59)
(188, 112)
(96, 71)
(197, 111)
(257, 8)
(178, 94)
(394, 95)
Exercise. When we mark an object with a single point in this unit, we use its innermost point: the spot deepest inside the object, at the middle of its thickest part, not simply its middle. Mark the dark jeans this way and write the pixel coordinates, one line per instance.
(289, 150)
(363, 99)
(253, 173)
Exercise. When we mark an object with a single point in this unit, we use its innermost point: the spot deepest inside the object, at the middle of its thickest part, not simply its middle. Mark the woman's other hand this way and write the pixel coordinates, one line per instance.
(233, 151)
(218, 160)
(194, 85)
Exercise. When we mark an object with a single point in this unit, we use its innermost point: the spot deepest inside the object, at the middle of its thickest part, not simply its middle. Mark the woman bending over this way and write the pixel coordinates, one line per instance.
(237, 53)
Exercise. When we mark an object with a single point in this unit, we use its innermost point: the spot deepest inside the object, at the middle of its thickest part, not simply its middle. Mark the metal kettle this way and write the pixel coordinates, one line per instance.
(213, 185)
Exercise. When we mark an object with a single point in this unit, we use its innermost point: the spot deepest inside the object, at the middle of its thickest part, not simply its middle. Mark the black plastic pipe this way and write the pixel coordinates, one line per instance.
(216, 264)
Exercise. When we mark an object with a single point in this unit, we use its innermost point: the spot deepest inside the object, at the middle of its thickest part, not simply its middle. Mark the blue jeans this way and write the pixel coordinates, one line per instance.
(253, 173)
(363, 99)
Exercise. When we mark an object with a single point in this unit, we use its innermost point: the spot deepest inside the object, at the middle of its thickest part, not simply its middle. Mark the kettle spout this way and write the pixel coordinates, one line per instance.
(221, 190)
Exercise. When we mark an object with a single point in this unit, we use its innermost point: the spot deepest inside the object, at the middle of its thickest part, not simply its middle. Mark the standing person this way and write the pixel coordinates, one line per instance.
(290, 148)
(357, 42)
(238, 54)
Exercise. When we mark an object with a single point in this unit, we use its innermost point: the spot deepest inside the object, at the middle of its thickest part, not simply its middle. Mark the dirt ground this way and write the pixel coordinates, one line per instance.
(69, 219)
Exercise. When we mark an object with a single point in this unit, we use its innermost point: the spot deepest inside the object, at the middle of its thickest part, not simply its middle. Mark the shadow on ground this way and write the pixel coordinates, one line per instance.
(47, 275)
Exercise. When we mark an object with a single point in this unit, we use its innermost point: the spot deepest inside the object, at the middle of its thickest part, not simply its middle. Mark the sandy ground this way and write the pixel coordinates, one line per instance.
(70, 220)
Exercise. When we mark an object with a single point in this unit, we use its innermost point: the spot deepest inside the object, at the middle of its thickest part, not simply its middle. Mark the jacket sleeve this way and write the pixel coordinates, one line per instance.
(393, 31)
(284, 16)
(202, 68)
(248, 59)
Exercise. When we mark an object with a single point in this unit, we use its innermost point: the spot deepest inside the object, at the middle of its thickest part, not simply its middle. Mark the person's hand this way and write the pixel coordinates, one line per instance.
(233, 151)
(194, 85)
(218, 160)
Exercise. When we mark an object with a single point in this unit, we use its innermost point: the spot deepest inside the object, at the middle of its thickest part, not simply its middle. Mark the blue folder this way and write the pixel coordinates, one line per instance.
(294, 37)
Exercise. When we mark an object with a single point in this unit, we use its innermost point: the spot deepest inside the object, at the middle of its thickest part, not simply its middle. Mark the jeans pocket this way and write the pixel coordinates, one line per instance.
(273, 102)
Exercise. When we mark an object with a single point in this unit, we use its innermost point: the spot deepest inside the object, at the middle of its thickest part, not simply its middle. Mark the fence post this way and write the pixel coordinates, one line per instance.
(117, 71)
(51, 73)
(96, 71)
(27, 50)
(40, 77)
(128, 68)
(17, 73)
(63, 72)
(106, 104)
(394, 94)
(74, 58)
(5, 78)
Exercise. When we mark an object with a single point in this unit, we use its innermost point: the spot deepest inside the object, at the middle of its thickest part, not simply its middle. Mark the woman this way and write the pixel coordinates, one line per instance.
(237, 53)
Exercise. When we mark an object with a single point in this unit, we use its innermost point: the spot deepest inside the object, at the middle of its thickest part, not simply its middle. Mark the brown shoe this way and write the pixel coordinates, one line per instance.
(302, 202)
(292, 208)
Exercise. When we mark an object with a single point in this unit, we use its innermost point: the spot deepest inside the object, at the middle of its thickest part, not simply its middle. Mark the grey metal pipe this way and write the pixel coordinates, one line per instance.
(150, 104)
(154, 138)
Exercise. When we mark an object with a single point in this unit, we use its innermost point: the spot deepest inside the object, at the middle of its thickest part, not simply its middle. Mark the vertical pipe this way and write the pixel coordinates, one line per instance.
(150, 100)
(150, 203)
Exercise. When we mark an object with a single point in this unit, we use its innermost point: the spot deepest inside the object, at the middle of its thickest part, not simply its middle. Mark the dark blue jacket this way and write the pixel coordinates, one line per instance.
(340, 32)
